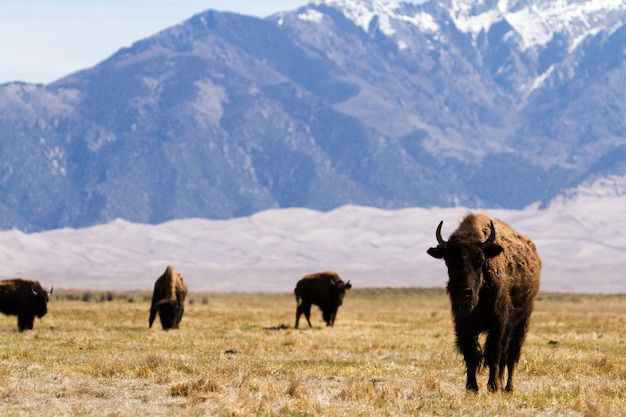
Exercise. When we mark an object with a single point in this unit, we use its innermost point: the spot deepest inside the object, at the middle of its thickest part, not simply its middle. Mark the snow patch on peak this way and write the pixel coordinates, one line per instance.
(311, 16)
(423, 21)
(539, 81)
(536, 21)
(470, 23)
(363, 12)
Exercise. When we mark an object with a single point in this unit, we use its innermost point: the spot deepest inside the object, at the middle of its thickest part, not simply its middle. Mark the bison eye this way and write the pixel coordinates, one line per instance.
(477, 262)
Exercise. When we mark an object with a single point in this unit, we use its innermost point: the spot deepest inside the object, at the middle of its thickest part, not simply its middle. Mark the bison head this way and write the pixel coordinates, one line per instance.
(465, 256)
(338, 291)
(169, 313)
(40, 299)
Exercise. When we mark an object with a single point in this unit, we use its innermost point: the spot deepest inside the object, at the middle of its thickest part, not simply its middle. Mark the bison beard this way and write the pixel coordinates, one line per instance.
(494, 275)
(168, 299)
(25, 299)
(324, 289)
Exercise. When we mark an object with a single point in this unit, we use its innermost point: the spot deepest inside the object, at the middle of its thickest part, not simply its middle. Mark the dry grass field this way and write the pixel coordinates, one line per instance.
(390, 354)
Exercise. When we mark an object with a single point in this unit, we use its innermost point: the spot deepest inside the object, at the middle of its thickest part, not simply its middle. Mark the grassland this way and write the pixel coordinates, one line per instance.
(390, 354)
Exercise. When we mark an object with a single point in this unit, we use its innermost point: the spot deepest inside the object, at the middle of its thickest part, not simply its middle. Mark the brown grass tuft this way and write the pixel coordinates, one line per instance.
(197, 388)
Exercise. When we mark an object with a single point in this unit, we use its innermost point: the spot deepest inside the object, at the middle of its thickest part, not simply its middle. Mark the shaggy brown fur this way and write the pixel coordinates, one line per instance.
(168, 299)
(492, 286)
(324, 289)
(25, 299)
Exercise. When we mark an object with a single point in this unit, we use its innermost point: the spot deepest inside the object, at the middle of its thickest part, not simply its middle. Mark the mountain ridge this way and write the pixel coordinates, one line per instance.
(225, 115)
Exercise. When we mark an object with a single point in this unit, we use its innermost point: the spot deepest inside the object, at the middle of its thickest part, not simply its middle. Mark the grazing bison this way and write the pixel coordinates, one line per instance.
(168, 299)
(324, 289)
(25, 299)
(493, 276)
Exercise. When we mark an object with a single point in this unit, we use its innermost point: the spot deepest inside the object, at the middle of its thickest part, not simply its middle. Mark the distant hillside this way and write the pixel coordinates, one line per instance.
(390, 105)
(579, 237)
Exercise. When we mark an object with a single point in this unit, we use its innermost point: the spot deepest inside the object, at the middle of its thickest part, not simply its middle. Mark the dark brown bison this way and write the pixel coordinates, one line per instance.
(493, 276)
(168, 299)
(25, 299)
(324, 289)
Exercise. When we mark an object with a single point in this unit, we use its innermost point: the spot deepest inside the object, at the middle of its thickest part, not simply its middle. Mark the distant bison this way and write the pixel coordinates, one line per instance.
(493, 276)
(324, 289)
(25, 299)
(168, 299)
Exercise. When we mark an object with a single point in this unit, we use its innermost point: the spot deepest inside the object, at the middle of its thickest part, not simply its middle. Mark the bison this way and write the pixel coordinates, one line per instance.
(493, 276)
(324, 289)
(168, 299)
(25, 299)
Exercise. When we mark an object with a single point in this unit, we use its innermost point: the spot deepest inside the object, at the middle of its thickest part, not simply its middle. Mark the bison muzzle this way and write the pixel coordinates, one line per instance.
(493, 278)
(324, 289)
(25, 299)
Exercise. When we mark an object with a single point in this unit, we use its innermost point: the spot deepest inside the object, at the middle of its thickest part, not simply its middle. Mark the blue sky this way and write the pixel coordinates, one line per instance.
(43, 40)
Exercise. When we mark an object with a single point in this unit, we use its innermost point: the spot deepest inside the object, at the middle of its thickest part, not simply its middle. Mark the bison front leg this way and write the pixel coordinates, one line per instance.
(468, 345)
(329, 316)
(180, 310)
(25, 322)
(333, 315)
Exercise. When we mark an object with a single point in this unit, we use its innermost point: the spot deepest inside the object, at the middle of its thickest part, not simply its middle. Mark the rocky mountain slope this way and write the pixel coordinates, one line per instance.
(452, 102)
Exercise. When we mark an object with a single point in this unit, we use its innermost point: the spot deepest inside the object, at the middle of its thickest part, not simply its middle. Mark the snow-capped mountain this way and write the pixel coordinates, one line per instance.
(534, 22)
(451, 102)
(537, 23)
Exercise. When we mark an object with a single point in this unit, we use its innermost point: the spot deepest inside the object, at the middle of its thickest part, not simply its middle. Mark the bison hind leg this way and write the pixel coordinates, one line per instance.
(514, 351)
(303, 308)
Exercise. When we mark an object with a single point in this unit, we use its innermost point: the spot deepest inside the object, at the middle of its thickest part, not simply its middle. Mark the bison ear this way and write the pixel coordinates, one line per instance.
(493, 250)
(437, 252)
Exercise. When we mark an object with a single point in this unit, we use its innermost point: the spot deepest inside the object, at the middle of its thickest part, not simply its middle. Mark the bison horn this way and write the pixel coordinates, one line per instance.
(491, 238)
(442, 243)
(32, 288)
(51, 289)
